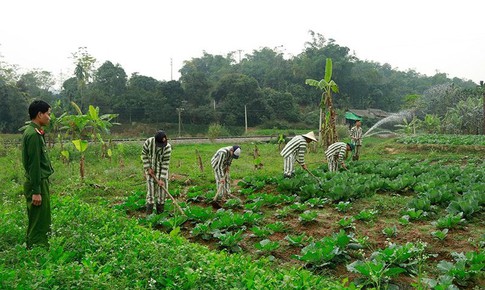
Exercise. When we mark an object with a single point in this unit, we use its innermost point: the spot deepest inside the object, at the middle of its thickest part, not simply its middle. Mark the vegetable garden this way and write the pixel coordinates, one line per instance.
(398, 218)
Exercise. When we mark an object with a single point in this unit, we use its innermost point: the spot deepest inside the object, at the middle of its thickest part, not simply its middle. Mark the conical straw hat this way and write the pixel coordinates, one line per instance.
(310, 136)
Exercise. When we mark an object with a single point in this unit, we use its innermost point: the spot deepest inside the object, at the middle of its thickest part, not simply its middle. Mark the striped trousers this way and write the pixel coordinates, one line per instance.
(155, 194)
(223, 188)
(332, 163)
(289, 165)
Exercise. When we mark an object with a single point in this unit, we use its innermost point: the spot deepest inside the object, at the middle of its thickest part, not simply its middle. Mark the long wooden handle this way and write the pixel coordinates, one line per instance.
(173, 199)
(313, 175)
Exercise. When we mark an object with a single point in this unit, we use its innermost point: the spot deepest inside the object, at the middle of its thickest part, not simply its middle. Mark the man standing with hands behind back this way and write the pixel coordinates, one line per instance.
(156, 154)
(38, 168)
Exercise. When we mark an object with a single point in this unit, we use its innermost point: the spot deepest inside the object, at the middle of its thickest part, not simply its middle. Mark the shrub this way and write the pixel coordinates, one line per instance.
(216, 130)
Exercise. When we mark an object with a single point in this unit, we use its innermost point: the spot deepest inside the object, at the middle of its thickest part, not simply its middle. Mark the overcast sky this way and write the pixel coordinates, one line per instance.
(143, 36)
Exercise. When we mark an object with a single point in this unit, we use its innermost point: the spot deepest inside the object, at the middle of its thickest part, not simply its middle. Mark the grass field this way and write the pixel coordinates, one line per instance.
(405, 215)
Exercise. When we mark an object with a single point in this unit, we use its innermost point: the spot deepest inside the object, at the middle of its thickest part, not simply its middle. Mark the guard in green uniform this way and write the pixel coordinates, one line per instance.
(37, 171)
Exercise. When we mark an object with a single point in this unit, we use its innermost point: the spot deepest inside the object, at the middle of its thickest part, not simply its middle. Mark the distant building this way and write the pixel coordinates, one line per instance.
(367, 116)
(370, 113)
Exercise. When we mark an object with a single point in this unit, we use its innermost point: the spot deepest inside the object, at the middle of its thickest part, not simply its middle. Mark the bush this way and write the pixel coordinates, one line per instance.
(216, 130)
(343, 132)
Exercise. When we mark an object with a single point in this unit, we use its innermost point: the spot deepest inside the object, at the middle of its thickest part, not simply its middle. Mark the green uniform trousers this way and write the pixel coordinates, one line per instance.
(39, 216)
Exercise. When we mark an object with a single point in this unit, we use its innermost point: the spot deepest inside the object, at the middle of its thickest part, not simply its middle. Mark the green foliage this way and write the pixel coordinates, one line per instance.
(298, 240)
(135, 201)
(267, 246)
(199, 214)
(440, 235)
(327, 251)
(413, 214)
(449, 221)
(277, 227)
(283, 212)
(80, 145)
(173, 222)
(466, 206)
(421, 203)
(467, 266)
(82, 258)
(366, 215)
(202, 230)
(387, 263)
(431, 123)
(443, 139)
(228, 220)
(298, 207)
(290, 185)
(327, 85)
(316, 202)
(230, 240)
(343, 206)
(111, 185)
(261, 232)
(390, 231)
(346, 222)
(215, 131)
(308, 216)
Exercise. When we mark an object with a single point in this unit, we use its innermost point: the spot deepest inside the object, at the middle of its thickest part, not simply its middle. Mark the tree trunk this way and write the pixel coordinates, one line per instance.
(331, 130)
(483, 112)
(199, 160)
(81, 166)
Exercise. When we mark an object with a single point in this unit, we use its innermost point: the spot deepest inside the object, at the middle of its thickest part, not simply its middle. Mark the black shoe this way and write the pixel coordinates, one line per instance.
(216, 205)
(149, 208)
(160, 208)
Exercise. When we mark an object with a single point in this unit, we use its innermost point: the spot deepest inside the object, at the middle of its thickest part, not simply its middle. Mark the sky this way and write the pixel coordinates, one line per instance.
(155, 37)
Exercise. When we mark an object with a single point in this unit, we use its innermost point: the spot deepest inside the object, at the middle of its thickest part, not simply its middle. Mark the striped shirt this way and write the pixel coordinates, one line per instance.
(337, 149)
(221, 161)
(297, 146)
(356, 135)
(157, 158)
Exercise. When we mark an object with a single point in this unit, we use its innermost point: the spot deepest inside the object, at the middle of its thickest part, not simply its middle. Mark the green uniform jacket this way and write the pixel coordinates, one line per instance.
(35, 158)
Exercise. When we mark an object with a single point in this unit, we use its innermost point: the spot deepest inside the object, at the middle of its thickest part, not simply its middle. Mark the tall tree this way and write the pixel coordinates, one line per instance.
(268, 67)
(36, 84)
(233, 93)
(200, 75)
(83, 72)
(328, 117)
(13, 109)
(109, 85)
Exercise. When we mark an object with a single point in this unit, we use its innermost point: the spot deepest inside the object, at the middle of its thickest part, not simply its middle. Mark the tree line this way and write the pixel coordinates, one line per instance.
(265, 85)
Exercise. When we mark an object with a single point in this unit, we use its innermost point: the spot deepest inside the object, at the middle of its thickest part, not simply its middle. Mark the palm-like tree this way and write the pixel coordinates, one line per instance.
(328, 117)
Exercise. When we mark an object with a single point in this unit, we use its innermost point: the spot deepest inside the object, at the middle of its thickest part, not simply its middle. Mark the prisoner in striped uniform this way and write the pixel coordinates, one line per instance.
(335, 154)
(156, 161)
(294, 151)
(221, 163)
(356, 137)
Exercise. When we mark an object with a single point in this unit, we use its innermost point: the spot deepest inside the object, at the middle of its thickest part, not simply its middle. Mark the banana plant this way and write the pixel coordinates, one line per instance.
(80, 125)
(328, 116)
(76, 125)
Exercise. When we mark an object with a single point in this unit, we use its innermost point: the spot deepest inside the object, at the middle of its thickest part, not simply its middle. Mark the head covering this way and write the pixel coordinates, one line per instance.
(310, 136)
(236, 151)
(161, 139)
(352, 146)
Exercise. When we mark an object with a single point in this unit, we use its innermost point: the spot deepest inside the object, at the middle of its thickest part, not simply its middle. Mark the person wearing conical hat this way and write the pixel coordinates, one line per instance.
(295, 151)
